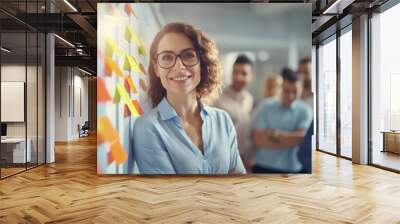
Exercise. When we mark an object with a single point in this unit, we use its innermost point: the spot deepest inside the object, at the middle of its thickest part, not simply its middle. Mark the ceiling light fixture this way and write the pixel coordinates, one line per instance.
(333, 6)
(70, 5)
(64, 40)
(337, 7)
(84, 71)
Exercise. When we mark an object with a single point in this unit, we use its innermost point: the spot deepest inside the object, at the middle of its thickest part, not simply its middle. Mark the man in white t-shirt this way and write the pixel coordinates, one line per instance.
(238, 102)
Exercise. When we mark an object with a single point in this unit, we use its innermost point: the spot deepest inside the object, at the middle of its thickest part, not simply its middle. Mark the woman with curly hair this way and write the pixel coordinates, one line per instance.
(181, 134)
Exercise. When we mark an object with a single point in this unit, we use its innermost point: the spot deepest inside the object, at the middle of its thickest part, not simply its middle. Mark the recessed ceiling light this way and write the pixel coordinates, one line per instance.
(5, 50)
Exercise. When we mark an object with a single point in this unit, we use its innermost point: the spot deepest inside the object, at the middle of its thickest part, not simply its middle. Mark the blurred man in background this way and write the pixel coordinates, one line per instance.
(304, 71)
(304, 68)
(273, 86)
(238, 102)
(279, 126)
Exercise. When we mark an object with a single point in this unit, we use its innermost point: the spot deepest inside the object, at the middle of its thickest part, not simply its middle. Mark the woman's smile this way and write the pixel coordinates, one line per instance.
(181, 77)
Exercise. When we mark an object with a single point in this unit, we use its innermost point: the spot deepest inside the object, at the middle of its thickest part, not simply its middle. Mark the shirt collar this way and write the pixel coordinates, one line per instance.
(291, 107)
(235, 93)
(168, 112)
(204, 110)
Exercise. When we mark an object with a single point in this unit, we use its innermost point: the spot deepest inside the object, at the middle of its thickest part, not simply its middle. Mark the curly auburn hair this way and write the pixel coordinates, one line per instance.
(210, 68)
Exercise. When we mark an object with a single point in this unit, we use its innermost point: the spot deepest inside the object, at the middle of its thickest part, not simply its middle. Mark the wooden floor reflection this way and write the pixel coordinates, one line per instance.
(70, 191)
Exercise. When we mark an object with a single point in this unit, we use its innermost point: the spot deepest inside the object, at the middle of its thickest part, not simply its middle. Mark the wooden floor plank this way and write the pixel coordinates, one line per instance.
(70, 191)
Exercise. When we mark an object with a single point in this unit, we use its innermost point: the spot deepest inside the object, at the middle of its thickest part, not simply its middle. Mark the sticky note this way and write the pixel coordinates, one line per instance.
(130, 85)
(131, 64)
(102, 93)
(111, 67)
(117, 153)
(142, 68)
(129, 10)
(120, 93)
(105, 130)
(137, 106)
(112, 48)
(143, 85)
(132, 37)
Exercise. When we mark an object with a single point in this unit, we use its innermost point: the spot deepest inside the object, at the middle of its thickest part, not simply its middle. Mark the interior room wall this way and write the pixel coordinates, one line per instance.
(61, 103)
(70, 83)
(16, 73)
(31, 128)
(79, 117)
(92, 103)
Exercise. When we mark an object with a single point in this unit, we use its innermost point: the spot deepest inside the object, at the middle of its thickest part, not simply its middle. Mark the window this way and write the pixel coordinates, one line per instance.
(346, 93)
(385, 88)
(327, 96)
(22, 77)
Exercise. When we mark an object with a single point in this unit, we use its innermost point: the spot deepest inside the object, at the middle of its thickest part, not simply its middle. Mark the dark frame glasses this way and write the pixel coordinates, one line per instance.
(167, 59)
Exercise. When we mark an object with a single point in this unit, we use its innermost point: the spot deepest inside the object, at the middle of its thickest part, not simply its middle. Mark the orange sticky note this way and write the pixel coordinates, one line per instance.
(127, 112)
(129, 10)
(118, 153)
(130, 85)
(111, 67)
(138, 108)
(142, 68)
(105, 131)
(143, 84)
(102, 93)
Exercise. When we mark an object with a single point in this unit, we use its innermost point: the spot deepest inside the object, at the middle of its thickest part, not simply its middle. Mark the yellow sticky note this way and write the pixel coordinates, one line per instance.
(131, 36)
(131, 64)
(121, 93)
(112, 48)
(141, 50)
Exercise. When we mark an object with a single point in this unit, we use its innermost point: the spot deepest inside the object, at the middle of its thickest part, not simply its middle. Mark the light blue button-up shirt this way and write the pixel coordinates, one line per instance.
(272, 114)
(161, 145)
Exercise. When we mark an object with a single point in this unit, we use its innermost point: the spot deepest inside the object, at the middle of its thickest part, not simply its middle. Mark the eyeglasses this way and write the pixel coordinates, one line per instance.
(167, 59)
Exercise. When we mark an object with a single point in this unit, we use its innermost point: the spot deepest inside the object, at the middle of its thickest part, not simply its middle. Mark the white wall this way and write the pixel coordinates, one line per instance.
(61, 103)
(33, 126)
(16, 73)
(80, 83)
(69, 82)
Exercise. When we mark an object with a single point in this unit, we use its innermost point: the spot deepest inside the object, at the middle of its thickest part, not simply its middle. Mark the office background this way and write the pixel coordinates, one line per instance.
(273, 36)
(22, 77)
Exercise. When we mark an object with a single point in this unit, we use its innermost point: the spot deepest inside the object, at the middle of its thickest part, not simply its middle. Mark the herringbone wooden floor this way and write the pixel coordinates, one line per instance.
(70, 191)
